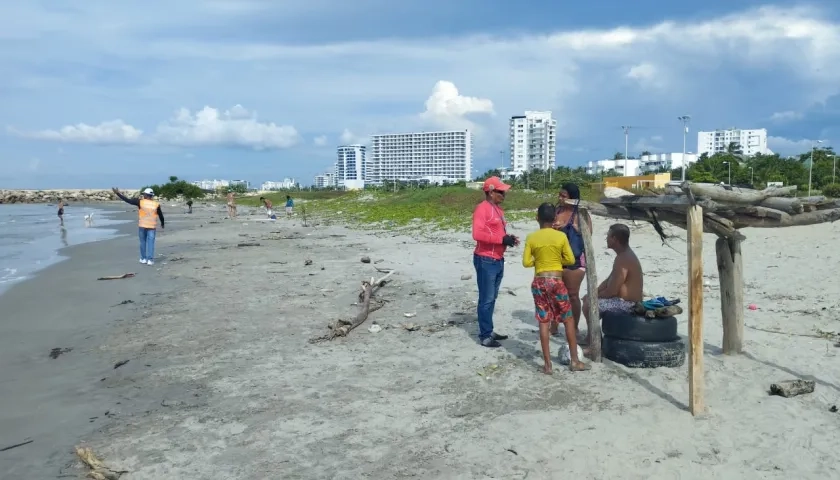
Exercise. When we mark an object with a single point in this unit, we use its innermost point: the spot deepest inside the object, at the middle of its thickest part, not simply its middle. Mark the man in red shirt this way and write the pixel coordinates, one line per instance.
(489, 231)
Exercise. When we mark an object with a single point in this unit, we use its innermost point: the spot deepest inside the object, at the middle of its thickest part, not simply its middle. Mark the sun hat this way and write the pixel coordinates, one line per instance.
(149, 191)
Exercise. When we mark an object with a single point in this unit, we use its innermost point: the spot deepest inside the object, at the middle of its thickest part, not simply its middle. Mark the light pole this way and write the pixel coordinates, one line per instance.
(833, 167)
(811, 167)
(626, 139)
(752, 172)
(684, 119)
(729, 164)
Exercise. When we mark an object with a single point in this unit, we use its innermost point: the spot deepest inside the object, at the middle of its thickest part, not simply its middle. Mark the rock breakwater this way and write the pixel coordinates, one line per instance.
(53, 196)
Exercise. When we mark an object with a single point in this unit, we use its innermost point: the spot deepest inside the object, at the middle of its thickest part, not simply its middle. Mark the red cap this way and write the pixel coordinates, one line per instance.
(495, 183)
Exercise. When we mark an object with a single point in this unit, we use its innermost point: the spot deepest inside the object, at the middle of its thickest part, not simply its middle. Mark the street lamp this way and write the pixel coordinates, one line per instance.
(729, 164)
(752, 171)
(685, 119)
(811, 167)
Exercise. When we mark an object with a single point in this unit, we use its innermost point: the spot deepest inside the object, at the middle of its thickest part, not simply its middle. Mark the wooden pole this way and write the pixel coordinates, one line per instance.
(695, 310)
(593, 325)
(731, 275)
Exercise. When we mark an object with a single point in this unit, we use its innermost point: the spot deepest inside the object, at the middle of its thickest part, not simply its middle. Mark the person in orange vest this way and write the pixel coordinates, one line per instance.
(149, 212)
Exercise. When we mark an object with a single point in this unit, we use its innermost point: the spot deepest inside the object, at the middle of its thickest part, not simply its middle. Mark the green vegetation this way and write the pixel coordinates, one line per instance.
(237, 188)
(176, 188)
(831, 190)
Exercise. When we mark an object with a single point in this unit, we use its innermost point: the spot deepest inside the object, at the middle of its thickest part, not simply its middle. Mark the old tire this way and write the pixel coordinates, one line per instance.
(629, 326)
(635, 354)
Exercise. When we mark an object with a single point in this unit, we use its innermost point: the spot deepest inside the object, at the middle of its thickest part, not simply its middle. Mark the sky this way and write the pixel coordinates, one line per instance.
(100, 93)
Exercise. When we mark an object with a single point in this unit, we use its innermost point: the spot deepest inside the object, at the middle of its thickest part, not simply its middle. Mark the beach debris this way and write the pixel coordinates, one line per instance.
(25, 442)
(833, 409)
(466, 277)
(248, 244)
(411, 327)
(379, 261)
(409, 315)
(510, 291)
(369, 289)
(124, 302)
(56, 352)
(365, 259)
(512, 451)
(99, 471)
(307, 262)
(792, 388)
(120, 364)
(117, 277)
(488, 370)
(374, 328)
(753, 306)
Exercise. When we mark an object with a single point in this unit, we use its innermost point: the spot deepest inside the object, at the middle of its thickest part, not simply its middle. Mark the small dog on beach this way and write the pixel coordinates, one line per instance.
(89, 219)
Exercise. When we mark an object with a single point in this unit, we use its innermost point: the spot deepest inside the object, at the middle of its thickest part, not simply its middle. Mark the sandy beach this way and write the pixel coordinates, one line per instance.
(222, 382)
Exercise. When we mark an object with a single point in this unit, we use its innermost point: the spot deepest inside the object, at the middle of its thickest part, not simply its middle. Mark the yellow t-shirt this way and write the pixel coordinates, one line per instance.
(548, 250)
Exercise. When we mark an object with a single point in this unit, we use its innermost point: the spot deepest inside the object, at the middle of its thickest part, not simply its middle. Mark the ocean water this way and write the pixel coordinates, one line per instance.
(31, 237)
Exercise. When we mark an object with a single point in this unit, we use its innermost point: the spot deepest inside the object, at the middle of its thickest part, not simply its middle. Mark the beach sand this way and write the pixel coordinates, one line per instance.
(223, 383)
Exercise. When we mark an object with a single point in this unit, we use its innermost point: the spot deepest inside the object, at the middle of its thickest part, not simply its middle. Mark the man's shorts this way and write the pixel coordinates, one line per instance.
(289, 209)
(551, 300)
(615, 305)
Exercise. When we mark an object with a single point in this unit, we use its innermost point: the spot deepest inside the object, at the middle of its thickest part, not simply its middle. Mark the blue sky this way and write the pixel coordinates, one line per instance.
(96, 93)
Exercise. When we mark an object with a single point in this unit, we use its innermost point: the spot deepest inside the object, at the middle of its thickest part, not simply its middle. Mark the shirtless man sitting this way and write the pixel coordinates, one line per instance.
(623, 288)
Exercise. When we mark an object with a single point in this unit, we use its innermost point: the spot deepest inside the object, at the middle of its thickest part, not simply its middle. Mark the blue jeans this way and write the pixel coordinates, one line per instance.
(147, 243)
(488, 274)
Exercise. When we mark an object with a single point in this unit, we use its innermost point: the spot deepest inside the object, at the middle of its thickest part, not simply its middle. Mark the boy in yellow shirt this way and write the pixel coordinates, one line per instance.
(548, 251)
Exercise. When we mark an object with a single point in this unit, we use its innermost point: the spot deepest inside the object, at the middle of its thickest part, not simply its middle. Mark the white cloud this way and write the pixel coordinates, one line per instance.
(787, 146)
(236, 127)
(647, 74)
(447, 107)
(350, 138)
(106, 133)
(320, 140)
(786, 116)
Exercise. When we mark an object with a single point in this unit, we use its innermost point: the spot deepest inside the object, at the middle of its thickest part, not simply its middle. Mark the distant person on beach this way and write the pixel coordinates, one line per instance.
(623, 287)
(61, 212)
(290, 206)
(267, 204)
(189, 206)
(548, 251)
(489, 230)
(567, 221)
(149, 213)
(231, 205)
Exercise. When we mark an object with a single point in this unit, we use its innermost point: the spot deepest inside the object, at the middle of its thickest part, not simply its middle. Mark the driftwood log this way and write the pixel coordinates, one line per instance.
(792, 388)
(342, 327)
(593, 325)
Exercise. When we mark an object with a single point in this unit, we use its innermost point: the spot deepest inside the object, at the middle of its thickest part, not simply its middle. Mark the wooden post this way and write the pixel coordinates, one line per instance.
(731, 276)
(593, 325)
(695, 310)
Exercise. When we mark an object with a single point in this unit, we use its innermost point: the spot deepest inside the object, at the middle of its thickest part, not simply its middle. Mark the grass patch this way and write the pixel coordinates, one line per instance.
(445, 208)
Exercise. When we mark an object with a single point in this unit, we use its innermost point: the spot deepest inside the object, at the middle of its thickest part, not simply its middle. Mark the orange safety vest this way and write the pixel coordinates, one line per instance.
(148, 213)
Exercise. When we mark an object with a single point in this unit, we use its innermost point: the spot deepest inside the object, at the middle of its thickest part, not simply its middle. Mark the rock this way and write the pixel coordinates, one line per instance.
(466, 277)
(53, 196)
(365, 259)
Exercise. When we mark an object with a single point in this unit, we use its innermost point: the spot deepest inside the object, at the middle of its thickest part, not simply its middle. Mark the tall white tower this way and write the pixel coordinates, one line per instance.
(533, 141)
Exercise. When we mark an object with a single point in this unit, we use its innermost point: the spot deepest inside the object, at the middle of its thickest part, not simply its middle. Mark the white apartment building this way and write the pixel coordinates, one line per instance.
(324, 180)
(351, 167)
(751, 141)
(244, 183)
(286, 184)
(434, 157)
(600, 167)
(211, 185)
(672, 161)
(533, 141)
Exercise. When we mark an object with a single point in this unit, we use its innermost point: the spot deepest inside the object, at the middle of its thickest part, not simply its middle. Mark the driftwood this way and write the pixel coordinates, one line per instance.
(736, 195)
(369, 289)
(788, 205)
(792, 388)
(593, 327)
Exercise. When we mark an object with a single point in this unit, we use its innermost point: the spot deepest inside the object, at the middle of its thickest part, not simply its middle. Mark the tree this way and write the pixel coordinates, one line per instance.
(734, 148)
(236, 188)
(177, 188)
(645, 153)
(618, 156)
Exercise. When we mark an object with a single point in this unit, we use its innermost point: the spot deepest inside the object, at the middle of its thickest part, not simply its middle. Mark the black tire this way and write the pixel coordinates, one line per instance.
(635, 354)
(629, 326)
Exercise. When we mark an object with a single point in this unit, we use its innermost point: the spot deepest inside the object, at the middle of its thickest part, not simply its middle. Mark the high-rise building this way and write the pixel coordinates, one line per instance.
(432, 157)
(351, 167)
(324, 180)
(286, 184)
(718, 141)
(211, 185)
(533, 142)
(655, 162)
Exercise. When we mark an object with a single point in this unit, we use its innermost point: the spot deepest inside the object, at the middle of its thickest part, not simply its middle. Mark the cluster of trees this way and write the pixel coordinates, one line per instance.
(176, 188)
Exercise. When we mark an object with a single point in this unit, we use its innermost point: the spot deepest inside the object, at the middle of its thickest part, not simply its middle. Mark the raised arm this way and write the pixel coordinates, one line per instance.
(130, 201)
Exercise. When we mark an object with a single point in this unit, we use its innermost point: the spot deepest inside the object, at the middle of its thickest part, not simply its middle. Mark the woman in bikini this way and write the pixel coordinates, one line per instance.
(567, 221)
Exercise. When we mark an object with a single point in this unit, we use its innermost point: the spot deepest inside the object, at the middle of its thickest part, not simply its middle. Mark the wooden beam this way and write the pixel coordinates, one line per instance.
(696, 387)
(736, 195)
(759, 212)
(792, 206)
(673, 202)
(808, 218)
(731, 276)
(593, 326)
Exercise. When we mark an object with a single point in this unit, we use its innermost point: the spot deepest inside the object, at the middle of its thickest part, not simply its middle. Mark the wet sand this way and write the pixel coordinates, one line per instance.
(223, 383)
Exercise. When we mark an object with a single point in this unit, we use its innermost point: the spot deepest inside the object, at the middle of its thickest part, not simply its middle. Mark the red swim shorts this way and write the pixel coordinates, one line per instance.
(551, 300)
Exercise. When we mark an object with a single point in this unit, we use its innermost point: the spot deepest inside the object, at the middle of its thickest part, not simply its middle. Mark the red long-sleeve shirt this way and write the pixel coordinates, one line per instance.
(488, 230)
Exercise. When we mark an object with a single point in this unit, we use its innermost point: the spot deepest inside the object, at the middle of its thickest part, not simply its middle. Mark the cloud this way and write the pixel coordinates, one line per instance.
(350, 138)
(207, 127)
(786, 146)
(786, 116)
(647, 74)
(320, 140)
(448, 108)
(114, 132)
